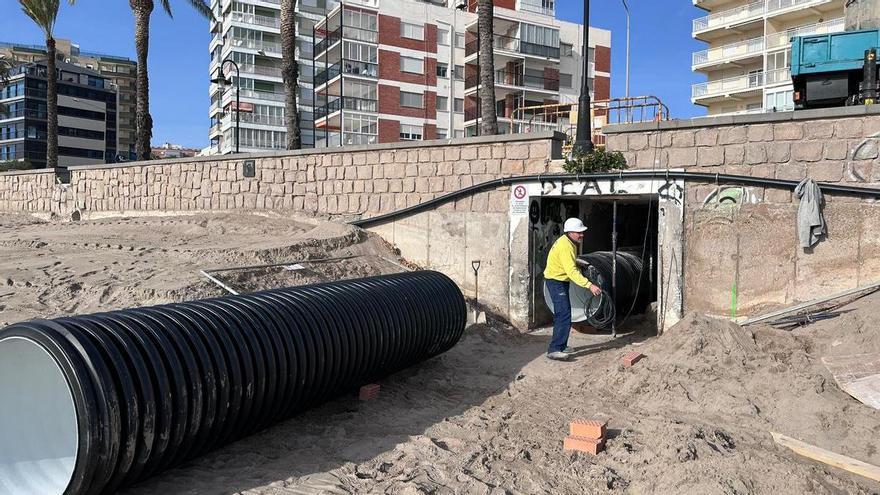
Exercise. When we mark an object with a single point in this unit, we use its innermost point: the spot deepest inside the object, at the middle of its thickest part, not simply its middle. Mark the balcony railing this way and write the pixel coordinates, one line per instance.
(258, 95)
(744, 82)
(353, 67)
(777, 40)
(774, 6)
(252, 118)
(356, 138)
(536, 6)
(265, 46)
(506, 43)
(730, 51)
(778, 76)
(347, 32)
(261, 70)
(744, 13)
(347, 103)
(260, 20)
(518, 80)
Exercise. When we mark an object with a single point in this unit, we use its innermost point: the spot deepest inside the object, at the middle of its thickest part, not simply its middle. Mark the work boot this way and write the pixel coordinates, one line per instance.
(558, 356)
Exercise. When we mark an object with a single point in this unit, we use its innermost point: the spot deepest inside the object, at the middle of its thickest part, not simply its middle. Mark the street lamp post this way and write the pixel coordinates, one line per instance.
(584, 138)
(222, 81)
(629, 110)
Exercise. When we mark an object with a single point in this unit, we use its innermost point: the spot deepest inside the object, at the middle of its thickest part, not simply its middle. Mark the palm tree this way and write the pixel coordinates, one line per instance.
(142, 9)
(44, 13)
(485, 21)
(290, 73)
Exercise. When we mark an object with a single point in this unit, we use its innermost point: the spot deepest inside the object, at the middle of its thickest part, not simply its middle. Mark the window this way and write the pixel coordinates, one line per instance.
(458, 134)
(443, 37)
(361, 124)
(410, 132)
(459, 40)
(459, 73)
(564, 80)
(360, 52)
(442, 70)
(779, 101)
(539, 35)
(413, 65)
(459, 105)
(566, 49)
(360, 20)
(412, 31)
(412, 100)
(443, 103)
(441, 133)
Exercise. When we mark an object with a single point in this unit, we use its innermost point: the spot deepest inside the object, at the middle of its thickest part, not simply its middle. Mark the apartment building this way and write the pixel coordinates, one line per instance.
(378, 71)
(119, 71)
(748, 56)
(87, 119)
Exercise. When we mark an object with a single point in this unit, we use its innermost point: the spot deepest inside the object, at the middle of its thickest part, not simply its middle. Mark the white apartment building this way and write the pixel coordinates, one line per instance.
(390, 70)
(748, 56)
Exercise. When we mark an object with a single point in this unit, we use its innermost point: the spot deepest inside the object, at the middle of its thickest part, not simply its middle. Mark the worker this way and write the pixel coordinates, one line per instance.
(561, 271)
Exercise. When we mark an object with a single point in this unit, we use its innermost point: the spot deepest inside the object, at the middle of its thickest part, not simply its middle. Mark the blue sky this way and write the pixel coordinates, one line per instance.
(178, 63)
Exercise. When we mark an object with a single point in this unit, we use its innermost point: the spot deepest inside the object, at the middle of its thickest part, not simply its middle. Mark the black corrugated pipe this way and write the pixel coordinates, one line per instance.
(741, 180)
(601, 311)
(90, 404)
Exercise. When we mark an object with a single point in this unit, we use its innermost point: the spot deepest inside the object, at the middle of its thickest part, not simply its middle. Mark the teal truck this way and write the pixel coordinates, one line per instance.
(831, 70)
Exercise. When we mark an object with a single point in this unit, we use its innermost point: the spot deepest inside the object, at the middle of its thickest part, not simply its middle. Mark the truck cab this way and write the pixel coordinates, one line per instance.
(830, 70)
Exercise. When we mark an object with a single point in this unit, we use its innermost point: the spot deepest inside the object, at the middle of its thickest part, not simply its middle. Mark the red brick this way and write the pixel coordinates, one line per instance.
(389, 103)
(389, 34)
(389, 131)
(587, 428)
(389, 69)
(581, 444)
(631, 358)
(369, 392)
(505, 4)
(602, 88)
(603, 58)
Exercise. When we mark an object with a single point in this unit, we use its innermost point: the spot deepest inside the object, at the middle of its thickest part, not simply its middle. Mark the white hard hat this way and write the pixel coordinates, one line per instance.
(574, 225)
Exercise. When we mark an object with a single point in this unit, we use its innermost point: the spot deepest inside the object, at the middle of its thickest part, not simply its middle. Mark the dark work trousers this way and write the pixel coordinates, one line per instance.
(561, 314)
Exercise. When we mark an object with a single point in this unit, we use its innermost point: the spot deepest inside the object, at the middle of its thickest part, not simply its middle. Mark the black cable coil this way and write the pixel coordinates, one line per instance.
(601, 311)
(91, 404)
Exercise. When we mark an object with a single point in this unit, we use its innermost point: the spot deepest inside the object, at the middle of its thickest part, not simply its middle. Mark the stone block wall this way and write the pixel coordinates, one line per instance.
(751, 247)
(356, 182)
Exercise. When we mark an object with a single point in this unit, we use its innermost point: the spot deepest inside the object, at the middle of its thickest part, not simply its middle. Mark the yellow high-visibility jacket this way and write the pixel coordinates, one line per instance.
(561, 265)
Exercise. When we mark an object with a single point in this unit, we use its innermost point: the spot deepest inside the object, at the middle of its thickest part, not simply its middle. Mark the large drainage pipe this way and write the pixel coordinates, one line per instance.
(90, 404)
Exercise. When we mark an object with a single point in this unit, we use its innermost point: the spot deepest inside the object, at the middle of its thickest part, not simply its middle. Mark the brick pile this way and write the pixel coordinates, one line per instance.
(586, 435)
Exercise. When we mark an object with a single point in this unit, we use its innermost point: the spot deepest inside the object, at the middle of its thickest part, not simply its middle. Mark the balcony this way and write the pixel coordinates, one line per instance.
(259, 20)
(777, 77)
(347, 103)
(258, 45)
(776, 7)
(780, 40)
(537, 7)
(252, 118)
(351, 67)
(725, 87)
(728, 53)
(261, 70)
(345, 32)
(516, 80)
(514, 45)
(728, 18)
(229, 95)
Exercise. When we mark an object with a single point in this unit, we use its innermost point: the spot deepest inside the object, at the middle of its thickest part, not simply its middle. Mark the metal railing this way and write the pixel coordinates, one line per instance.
(251, 93)
(353, 67)
(252, 118)
(749, 12)
(356, 138)
(347, 103)
(730, 51)
(516, 79)
(345, 32)
(778, 76)
(777, 40)
(261, 70)
(260, 20)
(506, 43)
(536, 6)
(743, 13)
(744, 82)
(265, 46)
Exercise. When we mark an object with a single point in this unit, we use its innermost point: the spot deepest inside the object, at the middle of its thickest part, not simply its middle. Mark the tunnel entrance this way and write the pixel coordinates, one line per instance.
(637, 224)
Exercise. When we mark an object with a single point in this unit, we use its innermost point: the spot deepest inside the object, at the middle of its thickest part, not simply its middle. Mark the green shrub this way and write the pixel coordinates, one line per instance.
(15, 165)
(596, 161)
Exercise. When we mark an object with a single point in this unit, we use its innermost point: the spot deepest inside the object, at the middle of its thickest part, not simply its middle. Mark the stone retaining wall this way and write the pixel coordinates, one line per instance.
(752, 245)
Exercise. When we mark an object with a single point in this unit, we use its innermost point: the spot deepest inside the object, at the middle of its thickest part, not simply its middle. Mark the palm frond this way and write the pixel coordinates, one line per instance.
(42, 12)
(201, 6)
(166, 5)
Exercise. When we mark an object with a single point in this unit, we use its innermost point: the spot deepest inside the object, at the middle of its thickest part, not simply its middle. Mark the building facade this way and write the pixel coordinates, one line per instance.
(120, 71)
(87, 119)
(379, 71)
(748, 57)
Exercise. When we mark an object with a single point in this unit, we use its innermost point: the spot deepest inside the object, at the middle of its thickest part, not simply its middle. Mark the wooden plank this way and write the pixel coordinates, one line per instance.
(849, 464)
(858, 375)
(867, 289)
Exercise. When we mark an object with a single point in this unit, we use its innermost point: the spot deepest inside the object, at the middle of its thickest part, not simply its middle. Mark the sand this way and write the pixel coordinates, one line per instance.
(490, 415)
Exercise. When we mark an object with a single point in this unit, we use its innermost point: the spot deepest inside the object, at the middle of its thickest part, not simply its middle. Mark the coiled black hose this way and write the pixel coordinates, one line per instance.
(90, 404)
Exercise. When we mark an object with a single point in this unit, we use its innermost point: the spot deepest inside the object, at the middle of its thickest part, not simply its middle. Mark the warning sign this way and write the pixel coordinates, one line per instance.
(519, 202)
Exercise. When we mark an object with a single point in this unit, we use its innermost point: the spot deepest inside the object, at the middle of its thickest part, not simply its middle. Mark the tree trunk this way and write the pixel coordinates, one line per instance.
(142, 10)
(51, 106)
(290, 73)
(862, 14)
(488, 116)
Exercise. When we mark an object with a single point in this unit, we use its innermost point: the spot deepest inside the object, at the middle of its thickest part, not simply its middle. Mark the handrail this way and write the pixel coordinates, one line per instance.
(507, 43)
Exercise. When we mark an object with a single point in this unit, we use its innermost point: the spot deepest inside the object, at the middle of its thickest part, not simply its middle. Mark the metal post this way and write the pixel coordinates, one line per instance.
(614, 266)
(237, 110)
(584, 139)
